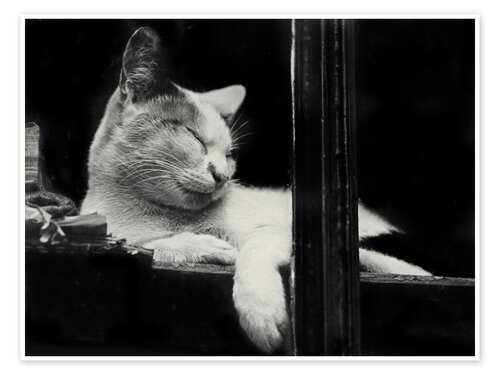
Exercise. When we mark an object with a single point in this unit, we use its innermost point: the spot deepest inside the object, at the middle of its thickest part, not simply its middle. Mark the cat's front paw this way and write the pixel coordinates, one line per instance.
(260, 302)
(192, 248)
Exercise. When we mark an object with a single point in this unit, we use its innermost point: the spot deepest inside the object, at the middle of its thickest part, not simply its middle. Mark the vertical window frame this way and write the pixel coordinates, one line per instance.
(325, 273)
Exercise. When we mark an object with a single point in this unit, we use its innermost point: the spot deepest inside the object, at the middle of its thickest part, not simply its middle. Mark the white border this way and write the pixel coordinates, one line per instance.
(22, 288)
(477, 189)
(267, 15)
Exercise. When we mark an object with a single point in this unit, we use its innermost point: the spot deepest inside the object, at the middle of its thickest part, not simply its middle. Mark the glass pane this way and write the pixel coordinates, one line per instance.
(416, 130)
(415, 102)
(167, 154)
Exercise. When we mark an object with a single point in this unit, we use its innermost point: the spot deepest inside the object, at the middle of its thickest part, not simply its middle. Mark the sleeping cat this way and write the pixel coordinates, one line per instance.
(160, 170)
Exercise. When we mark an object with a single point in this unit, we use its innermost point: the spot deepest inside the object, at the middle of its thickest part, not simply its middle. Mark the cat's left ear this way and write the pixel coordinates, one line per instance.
(226, 101)
(143, 72)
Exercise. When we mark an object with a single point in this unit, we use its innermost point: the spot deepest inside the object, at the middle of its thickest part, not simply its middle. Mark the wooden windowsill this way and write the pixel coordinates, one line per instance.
(106, 297)
(112, 246)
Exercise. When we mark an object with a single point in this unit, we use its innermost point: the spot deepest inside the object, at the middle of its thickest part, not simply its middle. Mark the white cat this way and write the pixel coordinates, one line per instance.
(160, 170)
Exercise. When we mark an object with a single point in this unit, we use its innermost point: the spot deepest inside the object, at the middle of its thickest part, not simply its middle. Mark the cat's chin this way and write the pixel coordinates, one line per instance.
(187, 199)
(193, 191)
(195, 200)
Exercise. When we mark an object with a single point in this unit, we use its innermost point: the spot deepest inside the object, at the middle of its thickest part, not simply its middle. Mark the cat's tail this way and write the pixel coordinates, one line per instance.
(373, 225)
(373, 261)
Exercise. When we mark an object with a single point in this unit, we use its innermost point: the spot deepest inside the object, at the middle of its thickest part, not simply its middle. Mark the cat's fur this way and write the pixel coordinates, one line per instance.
(160, 170)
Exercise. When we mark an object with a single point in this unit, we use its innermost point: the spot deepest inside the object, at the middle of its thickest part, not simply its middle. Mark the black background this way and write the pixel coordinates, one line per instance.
(416, 136)
(415, 97)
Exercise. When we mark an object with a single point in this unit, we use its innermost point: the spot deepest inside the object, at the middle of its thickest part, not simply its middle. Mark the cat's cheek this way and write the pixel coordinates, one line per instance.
(231, 164)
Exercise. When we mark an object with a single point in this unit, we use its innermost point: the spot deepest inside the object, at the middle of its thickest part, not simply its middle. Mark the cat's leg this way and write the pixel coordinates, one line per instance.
(377, 262)
(258, 291)
(189, 247)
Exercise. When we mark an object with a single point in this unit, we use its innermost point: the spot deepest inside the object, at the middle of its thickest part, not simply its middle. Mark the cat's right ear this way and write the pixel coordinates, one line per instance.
(143, 73)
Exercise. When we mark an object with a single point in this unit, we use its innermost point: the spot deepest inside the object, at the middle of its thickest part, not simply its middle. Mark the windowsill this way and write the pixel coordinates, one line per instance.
(110, 295)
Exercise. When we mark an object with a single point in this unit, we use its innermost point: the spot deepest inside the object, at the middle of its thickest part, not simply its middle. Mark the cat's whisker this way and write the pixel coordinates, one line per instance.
(240, 137)
(234, 122)
(154, 166)
(169, 165)
(164, 163)
(163, 180)
(236, 145)
(139, 172)
(171, 156)
(138, 163)
(239, 128)
(180, 165)
(234, 181)
(240, 133)
(152, 178)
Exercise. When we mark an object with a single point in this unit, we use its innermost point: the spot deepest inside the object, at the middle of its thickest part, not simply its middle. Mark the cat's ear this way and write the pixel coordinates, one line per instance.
(143, 73)
(226, 101)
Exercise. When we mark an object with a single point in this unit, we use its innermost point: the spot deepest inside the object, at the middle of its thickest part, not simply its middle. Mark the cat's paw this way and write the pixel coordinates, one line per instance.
(192, 248)
(261, 306)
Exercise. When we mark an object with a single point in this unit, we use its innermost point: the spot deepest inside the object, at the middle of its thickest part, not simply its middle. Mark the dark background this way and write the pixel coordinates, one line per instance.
(415, 97)
(416, 136)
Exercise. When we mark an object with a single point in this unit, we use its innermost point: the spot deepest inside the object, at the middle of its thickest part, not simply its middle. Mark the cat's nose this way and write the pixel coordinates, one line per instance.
(219, 178)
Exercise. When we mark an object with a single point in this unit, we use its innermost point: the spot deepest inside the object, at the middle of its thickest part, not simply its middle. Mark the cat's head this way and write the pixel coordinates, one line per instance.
(175, 145)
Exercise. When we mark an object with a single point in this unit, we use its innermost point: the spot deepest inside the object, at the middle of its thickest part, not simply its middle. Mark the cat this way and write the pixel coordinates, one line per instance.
(160, 169)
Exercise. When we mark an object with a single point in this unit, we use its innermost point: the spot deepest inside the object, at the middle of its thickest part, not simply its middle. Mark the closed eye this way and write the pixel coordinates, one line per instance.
(171, 121)
(197, 137)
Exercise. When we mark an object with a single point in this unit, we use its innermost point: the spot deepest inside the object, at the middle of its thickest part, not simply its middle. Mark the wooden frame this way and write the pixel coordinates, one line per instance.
(325, 286)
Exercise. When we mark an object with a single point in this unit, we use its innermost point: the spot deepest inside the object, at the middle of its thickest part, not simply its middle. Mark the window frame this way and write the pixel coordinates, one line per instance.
(325, 277)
